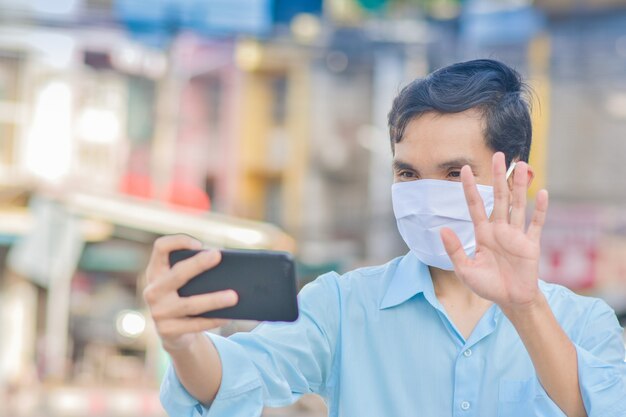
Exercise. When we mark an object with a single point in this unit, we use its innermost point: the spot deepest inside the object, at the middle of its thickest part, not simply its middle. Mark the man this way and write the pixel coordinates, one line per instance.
(459, 326)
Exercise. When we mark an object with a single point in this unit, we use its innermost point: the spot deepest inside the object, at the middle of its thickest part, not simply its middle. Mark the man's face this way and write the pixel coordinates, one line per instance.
(436, 146)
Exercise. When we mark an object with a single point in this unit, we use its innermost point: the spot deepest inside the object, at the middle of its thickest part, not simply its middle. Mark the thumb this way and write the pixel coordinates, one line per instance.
(453, 247)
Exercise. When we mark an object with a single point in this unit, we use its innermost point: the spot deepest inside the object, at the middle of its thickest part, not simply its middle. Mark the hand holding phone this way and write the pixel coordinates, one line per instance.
(173, 314)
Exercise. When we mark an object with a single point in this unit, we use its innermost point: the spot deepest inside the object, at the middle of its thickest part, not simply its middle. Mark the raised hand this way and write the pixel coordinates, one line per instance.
(505, 267)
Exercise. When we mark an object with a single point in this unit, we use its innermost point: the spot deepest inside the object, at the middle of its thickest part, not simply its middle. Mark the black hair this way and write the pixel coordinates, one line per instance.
(489, 86)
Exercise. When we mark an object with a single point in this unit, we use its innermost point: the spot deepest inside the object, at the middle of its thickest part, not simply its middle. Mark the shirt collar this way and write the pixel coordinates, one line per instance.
(411, 277)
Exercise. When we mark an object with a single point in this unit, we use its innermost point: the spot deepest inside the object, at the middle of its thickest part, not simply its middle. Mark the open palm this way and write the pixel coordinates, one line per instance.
(506, 265)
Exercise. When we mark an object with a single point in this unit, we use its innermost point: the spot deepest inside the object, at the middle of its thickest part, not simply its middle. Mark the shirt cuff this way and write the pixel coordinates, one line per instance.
(240, 392)
(175, 398)
(601, 386)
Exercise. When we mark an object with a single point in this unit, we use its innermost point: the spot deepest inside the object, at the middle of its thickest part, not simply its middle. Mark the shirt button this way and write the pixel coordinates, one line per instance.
(465, 405)
(467, 353)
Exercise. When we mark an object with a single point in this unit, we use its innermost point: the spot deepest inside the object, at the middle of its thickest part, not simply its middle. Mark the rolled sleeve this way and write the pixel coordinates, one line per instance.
(239, 393)
(174, 397)
(601, 366)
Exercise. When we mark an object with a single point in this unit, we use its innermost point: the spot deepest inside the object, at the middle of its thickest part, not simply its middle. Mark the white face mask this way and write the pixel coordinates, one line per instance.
(423, 207)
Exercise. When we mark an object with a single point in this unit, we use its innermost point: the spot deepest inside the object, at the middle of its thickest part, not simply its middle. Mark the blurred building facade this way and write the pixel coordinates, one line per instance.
(224, 119)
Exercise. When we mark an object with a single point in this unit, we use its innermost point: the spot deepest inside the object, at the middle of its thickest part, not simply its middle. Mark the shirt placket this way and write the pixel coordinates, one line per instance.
(469, 368)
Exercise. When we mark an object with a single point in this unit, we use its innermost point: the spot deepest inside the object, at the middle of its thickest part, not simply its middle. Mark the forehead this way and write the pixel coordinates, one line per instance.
(435, 137)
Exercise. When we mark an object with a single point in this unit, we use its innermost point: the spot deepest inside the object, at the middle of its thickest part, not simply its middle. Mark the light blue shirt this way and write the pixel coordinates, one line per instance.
(376, 342)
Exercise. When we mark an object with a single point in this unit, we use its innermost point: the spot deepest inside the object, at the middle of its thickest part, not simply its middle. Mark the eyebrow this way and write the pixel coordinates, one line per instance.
(399, 165)
(456, 163)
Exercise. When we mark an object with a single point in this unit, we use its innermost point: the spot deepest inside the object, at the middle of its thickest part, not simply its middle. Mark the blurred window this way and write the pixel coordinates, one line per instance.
(141, 101)
(274, 201)
(279, 92)
(9, 107)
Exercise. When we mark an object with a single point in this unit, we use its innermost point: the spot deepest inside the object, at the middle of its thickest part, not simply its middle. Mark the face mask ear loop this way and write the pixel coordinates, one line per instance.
(510, 170)
(508, 174)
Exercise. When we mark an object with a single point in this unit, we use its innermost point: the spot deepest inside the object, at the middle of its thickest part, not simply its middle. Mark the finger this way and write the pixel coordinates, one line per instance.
(187, 269)
(198, 304)
(500, 189)
(453, 247)
(539, 216)
(166, 283)
(520, 187)
(194, 305)
(178, 327)
(472, 196)
(159, 259)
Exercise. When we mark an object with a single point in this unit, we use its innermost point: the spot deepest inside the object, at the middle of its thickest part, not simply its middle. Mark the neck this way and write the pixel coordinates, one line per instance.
(448, 286)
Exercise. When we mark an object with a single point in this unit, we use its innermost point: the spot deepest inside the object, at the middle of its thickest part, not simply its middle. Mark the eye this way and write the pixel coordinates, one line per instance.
(456, 174)
(406, 174)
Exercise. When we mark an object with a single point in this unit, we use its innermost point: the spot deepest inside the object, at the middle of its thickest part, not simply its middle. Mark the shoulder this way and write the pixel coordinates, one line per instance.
(576, 312)
(368, 278)
(364, 281)
(566, 299)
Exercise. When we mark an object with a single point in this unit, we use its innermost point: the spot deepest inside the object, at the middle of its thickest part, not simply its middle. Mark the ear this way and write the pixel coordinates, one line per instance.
(531, 175)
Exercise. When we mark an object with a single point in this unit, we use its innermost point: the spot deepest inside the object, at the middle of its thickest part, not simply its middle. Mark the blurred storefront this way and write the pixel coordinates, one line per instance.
(107, 143)
(120, 123)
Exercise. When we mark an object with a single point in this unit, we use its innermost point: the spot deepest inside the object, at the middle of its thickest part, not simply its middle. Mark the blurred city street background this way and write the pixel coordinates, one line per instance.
(257, 124)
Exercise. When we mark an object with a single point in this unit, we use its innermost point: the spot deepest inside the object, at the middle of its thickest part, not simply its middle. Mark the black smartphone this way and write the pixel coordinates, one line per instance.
(264, 280)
